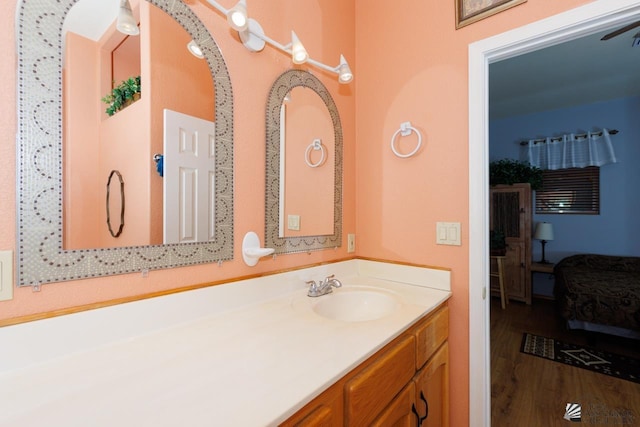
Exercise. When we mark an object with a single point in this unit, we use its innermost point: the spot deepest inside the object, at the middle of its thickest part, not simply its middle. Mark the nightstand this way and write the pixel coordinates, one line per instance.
(538, 267)
(546, 268)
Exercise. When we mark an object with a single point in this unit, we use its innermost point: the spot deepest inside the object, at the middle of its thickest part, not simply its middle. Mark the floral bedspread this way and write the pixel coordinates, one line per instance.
(601, 289)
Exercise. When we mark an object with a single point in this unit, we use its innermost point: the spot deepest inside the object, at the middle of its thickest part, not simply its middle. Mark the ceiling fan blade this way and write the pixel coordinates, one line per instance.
(621, 30)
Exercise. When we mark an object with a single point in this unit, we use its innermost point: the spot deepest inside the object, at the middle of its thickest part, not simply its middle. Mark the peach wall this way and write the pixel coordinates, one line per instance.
(413, 65)
(81, 111)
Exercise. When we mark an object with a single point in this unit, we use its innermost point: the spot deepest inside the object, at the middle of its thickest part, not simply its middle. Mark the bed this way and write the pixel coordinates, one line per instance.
(600, 293)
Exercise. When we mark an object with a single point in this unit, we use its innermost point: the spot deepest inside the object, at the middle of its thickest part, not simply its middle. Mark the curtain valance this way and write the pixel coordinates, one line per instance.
(571, 151)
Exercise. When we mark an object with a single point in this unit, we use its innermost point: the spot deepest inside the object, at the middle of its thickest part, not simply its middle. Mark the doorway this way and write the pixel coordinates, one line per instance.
(575, 23)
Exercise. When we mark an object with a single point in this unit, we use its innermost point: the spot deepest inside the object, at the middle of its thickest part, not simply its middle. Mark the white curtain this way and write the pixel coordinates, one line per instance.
(571, 151)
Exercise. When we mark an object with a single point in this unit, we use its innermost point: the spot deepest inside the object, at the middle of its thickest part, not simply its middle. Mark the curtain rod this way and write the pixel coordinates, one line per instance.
(559, 138)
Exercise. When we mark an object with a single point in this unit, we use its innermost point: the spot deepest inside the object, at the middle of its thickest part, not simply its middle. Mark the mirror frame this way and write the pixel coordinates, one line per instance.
(280, 88)
(40, 254)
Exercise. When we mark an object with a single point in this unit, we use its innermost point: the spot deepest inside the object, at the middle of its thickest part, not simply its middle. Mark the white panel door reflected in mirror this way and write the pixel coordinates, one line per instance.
(189, 178)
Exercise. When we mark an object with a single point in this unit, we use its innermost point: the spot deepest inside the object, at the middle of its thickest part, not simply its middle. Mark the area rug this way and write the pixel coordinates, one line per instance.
(623, 367)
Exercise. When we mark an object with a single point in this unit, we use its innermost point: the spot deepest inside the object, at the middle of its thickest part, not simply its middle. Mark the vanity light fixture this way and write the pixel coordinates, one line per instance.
(126, 23)
(253, 38)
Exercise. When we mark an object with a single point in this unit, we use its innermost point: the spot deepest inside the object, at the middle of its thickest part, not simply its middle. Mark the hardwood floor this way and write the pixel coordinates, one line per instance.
(531, 391)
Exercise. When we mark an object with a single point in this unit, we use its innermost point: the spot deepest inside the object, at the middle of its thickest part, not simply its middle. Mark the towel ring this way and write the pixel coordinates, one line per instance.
(405, 130)
(316, 145)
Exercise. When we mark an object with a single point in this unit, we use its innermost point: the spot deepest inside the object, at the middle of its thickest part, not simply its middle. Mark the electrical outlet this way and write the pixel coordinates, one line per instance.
(351, 243)
(6, 275)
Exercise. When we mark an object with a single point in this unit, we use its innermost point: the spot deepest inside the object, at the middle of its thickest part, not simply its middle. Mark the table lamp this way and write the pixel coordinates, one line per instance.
(544, 233)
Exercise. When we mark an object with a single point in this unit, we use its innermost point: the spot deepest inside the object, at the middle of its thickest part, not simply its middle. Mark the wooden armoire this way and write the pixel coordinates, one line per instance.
(510, 211)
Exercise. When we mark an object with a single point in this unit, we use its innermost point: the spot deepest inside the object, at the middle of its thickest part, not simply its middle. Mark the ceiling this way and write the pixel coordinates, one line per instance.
(577, 72)
(91, 18)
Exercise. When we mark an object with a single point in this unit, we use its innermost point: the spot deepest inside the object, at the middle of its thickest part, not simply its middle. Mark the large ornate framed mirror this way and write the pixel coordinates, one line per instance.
(303, 166)
(43, 253)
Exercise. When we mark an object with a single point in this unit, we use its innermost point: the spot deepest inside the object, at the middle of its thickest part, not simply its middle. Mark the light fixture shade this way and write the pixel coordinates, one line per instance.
(344, 72)
(299, 54)
(237, 16)
(126, 23)
(544, 231)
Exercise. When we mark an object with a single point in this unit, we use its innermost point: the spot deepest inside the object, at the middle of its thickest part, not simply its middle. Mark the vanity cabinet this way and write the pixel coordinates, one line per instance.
(406, 383)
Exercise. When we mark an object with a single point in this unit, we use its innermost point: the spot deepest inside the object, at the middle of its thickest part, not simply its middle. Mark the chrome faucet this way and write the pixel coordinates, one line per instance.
(324, 287)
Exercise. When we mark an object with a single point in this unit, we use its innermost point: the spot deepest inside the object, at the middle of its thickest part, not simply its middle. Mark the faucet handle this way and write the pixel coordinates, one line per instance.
(311, 283)
(326, 279)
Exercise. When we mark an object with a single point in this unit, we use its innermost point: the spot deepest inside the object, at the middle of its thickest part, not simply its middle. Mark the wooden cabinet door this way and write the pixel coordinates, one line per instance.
(510, 207)
(432, 390)
(375, 387)
(326, 410)
(322, 416)
(399, 413)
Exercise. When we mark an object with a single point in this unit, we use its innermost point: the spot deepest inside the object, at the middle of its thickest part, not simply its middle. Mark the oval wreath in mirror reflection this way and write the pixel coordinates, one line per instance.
(115, 202)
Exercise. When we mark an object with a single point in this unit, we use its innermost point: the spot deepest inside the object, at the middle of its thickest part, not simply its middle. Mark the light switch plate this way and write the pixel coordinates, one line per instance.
(448, 233)
(293, 222)
(6, 275)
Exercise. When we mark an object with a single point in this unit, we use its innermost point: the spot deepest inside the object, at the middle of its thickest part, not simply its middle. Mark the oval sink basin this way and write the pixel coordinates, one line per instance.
(356, 304)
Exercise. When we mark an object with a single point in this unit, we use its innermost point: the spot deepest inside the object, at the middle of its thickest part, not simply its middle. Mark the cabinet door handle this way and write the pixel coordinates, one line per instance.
(415, 411)
(420, 419)
(426, 406)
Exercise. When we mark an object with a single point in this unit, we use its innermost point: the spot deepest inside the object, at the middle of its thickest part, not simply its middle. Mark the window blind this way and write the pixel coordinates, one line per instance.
(569, 191)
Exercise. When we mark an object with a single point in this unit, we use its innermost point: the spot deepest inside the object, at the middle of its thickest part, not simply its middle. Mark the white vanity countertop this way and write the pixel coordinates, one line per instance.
(250, 364)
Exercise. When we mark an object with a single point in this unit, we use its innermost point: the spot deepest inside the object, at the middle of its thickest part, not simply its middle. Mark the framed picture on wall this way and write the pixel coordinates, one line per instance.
(470, 11)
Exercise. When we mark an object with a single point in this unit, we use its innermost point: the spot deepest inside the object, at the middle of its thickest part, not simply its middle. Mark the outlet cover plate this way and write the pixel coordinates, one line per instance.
(6, 275)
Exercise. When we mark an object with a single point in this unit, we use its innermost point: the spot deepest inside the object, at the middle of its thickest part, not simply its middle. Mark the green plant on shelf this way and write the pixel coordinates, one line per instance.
(508, 171)
(122, 95)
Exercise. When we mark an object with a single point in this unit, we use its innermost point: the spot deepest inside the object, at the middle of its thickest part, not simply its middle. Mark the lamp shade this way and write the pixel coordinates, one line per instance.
(299, 54)
(126, 23)
(544, 231)
(344, 72)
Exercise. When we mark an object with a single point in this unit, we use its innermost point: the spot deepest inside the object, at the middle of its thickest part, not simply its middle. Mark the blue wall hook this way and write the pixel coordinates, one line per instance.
(159, 159)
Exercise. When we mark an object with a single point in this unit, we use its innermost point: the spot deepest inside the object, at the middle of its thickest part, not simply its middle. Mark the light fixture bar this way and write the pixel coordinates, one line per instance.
(254, 31)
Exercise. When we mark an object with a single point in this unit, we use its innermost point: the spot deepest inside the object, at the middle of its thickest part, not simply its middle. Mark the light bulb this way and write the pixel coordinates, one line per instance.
(344, 72)
(299, 54)
(195, 49)
(237, 16)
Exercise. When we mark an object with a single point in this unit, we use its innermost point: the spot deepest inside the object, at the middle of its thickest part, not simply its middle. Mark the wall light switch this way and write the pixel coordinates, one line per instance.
(6, 275)
(293, 222)
(448, 233)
